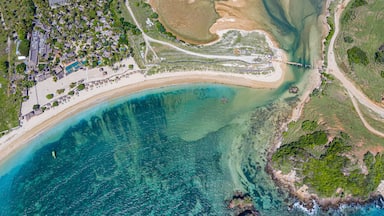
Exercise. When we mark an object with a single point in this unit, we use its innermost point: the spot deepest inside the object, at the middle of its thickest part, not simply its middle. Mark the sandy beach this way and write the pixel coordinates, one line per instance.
(15, 140)
(135, 82)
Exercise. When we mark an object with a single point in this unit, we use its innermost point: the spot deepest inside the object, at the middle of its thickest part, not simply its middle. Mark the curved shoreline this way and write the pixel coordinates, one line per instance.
(14, 141)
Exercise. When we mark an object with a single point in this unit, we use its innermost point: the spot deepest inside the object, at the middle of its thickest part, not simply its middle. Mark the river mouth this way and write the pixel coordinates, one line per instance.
(297, 28)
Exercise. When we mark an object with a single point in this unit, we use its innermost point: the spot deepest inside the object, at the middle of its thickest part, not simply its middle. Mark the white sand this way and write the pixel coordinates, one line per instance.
(10, 143)
(16, 139)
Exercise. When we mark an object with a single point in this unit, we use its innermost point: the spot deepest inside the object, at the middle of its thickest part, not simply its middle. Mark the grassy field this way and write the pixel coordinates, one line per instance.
(18, 17)
(329, 147)
(372, 118)
(9, 103)
(362, 27)
(334, 112)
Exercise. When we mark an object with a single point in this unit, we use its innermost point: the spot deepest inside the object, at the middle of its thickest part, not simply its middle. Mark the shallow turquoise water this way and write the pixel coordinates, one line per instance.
(162, 152)
(174, 151)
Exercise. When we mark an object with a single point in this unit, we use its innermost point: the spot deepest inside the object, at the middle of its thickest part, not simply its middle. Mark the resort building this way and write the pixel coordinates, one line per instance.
(34, 50)
(55, 3)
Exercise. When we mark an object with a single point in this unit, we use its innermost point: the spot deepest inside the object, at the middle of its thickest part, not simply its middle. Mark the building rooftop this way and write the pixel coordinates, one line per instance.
(33, 52)
(53, 3)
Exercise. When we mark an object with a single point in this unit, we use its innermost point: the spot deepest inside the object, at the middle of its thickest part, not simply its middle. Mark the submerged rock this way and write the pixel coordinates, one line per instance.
(242, 205)
(293, 89)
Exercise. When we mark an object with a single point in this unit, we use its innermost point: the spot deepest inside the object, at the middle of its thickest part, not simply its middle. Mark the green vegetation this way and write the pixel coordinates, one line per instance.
(9, 105)
(71, 93)
(382, 74)
(160, 26)
(361, 27)
(326, 156)
(55, 104)
(348, 39)
(60, 91)
(81, 87)
(325, 168)
(36, 106)
(41, 66)
(49, 96)
(357, 56)
(18, 16)
(309, 125)
(24, 47)
(20, 68)
(379, 55)
(331, 31)
(28, 83)
(350, 13)
(72, 85)
(358, 3)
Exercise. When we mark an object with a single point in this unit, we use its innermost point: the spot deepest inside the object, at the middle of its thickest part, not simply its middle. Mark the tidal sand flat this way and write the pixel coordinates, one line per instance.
(189, 20)
(297, 26)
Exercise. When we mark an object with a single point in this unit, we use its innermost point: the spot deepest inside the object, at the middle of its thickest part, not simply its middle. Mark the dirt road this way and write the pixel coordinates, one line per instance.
(334, 69)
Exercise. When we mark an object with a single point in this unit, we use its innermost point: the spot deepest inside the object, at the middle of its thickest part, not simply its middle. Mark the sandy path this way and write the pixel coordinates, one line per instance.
(336, 71)
(366, 124)
(147, 39)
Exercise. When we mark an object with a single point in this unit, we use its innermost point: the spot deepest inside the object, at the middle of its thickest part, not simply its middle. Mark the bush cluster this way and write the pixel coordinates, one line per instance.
(357, 56)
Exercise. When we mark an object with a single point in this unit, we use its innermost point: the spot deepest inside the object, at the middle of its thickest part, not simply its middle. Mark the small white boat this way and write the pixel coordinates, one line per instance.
(54, 154)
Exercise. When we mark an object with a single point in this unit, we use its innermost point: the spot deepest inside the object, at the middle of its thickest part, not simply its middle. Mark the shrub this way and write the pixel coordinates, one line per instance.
(49, 96)
(20, 68)
(357, 56)
(36, 106)
(55, 104)
(358, 3)
(309, 125)
(348, 39)
(379, 56)
(72, 85)
(160, 27)
(60, 91)
(71, 92)
(81, 87)
(154, 16)
(41, 67)
(382, 74)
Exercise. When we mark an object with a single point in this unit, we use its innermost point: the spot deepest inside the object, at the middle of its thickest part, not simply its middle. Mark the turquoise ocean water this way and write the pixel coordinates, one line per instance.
(173, 151)
(167, 152)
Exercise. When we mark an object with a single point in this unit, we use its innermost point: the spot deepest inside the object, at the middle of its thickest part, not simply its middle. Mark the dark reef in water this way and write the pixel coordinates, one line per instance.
(242, 205)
